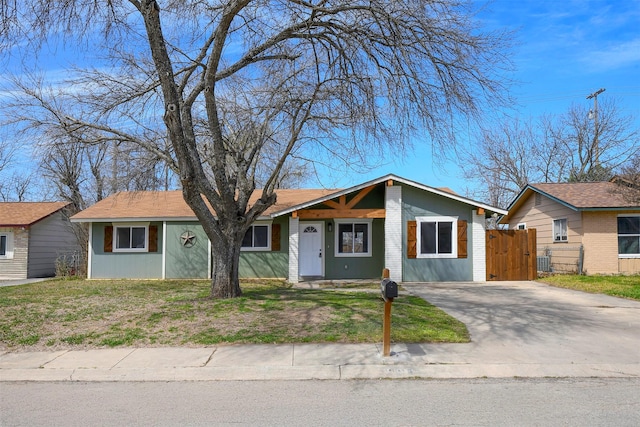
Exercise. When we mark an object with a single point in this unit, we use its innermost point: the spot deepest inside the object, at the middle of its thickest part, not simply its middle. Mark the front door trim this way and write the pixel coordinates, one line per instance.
(307, 254)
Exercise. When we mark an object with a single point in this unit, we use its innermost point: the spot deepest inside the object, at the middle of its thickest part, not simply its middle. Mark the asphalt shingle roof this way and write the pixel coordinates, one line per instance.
(584, 195)
(27, 213)
(170, 204)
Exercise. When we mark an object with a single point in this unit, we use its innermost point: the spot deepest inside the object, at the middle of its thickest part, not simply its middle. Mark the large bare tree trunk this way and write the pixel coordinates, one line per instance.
(224, 277)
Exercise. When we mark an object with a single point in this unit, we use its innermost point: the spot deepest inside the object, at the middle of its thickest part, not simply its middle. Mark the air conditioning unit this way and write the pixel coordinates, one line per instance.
(544, 264)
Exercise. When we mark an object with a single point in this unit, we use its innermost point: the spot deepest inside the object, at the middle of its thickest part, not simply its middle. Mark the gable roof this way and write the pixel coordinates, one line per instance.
(578, 196)
(445, 192)
(23, 214)
(160, 205)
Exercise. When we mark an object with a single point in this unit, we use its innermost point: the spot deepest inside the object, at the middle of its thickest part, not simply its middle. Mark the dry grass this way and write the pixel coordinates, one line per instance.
(92, 314)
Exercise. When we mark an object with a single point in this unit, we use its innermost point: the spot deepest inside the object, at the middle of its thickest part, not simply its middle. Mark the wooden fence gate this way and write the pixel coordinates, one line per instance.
(511, 254)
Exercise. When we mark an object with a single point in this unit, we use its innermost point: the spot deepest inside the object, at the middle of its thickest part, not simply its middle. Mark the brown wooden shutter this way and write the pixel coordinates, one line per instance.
(108, 238)
(412, 239)
(153, 238)
(462, 238)
(275, 237)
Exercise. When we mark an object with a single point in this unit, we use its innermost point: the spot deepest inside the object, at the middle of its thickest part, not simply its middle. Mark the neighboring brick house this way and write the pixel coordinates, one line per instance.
(584, 227)
(32, 236)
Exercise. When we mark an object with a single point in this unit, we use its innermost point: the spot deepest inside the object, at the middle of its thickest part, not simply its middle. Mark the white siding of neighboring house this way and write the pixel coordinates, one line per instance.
(16, 267)
(393, 232)
(48, 239)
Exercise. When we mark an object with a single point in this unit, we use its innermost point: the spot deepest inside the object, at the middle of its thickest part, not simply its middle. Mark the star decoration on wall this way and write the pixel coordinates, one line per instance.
(188, 239)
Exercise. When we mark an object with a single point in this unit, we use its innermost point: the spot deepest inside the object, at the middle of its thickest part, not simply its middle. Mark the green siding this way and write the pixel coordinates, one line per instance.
(356, 267)
(268, 264)
(416, 202)
(263, 265)
(124, 265)
(186, 262)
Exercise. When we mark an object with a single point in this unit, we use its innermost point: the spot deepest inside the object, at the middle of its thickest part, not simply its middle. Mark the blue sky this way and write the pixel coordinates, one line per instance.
(565, 50)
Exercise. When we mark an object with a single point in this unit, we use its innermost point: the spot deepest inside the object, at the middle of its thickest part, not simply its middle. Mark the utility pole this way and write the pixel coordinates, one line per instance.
(596, 149)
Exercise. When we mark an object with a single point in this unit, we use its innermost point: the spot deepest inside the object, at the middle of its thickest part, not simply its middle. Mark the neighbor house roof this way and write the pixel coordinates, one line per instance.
(159, 205)
(22, 214)
(578, 196)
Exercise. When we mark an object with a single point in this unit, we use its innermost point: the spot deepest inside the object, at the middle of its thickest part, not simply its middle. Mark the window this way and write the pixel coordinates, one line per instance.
(629, 236)
(130, 238)
(560, 230)
(353, 238)
(521, 226)
(6, 245)
(436, 237)
(257, 238)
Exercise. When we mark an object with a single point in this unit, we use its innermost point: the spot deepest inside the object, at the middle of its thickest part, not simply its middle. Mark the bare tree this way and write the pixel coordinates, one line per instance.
(14, 187)
(629, 181)
(6, 154)
(513, 153)
(509, 156)
(598, 147)
(235, 85)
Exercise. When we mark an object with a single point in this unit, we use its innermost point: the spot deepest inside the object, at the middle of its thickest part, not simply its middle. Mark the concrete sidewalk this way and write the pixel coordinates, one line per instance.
(281, 362)
(518, 329)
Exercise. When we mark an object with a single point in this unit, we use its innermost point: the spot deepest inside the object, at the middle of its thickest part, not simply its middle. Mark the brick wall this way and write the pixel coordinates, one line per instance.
(600, 242)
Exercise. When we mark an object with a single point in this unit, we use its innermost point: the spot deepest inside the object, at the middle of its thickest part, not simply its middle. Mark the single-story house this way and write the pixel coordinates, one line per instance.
(584, 227)
(419, 232)
(32, 236)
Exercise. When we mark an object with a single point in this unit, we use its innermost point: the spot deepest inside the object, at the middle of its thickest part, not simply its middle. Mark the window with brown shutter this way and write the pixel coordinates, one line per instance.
(437, 237)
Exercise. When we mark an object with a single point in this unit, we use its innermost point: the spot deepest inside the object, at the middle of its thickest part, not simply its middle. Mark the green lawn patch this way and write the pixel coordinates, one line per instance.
(113, 313)
(618, 286)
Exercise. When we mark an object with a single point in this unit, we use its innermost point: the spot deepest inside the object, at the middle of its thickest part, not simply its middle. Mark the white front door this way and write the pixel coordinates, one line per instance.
(310, 247)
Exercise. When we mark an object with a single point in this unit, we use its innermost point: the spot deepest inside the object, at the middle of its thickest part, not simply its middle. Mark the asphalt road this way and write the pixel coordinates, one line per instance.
(487, 402)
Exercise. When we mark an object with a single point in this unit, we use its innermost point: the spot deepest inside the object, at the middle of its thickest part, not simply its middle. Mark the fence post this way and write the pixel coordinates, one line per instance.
(386, 322)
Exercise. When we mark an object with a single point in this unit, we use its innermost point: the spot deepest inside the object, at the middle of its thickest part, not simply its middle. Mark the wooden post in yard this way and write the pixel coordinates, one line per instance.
(386, 322)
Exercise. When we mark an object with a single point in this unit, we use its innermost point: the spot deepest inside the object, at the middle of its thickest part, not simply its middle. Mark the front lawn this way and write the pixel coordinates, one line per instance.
(91, 314)
(618, 286)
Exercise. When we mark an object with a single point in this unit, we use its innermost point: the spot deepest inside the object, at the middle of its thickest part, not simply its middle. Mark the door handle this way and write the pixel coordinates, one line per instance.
(320, 254)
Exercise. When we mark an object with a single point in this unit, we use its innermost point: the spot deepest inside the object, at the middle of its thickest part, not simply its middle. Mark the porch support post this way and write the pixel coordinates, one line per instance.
(294, 237)
(479, 251)
(393, 232)
(90, 252)
(164, 250)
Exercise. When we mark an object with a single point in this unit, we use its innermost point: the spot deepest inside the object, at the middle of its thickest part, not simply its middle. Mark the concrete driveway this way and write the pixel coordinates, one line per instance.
(528, 322)
(16, 282)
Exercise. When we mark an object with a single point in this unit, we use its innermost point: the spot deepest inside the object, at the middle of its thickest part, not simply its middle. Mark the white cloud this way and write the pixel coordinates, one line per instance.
(614, 57)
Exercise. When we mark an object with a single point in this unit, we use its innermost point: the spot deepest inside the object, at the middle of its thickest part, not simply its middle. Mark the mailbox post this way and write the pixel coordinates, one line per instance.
(389, 290)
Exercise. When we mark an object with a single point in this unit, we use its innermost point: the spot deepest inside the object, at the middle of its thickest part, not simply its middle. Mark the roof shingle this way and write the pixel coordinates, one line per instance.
(17, 214)
(585, 195)
(170, 204)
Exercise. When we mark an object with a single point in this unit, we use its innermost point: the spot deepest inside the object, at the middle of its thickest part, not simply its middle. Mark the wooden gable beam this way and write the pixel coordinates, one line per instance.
(359, 196)
(342, 204)
(332, 204)
(342, 213)
(342, 209)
